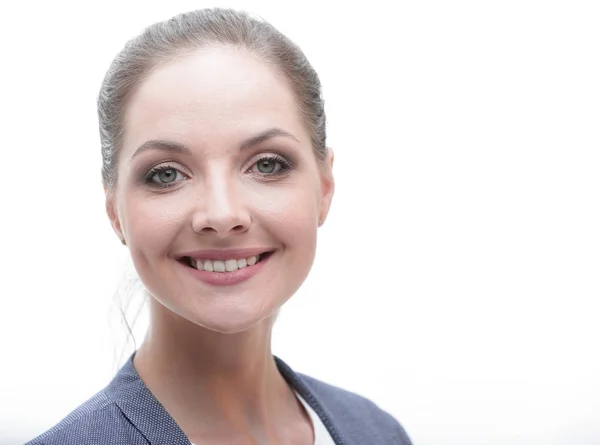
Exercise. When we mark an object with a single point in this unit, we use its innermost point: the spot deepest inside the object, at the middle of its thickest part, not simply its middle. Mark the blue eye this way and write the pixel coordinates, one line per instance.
(163, 176)
(271, 165)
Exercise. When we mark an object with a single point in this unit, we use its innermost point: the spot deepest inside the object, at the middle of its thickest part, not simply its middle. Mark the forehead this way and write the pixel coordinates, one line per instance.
(214, 93)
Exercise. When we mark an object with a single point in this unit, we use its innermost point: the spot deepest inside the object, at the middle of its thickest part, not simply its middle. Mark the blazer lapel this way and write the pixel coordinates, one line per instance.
(150, 418)
(143, 410)
(295, 381)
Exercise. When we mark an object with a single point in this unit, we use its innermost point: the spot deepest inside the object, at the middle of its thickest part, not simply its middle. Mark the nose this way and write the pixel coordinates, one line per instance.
(222, 210)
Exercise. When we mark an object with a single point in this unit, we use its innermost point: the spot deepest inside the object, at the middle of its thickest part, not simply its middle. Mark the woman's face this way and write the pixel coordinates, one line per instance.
(219, 193)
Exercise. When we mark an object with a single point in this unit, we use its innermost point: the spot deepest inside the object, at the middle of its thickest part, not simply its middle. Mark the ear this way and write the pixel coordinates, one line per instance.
(113, 215)
(327, 185)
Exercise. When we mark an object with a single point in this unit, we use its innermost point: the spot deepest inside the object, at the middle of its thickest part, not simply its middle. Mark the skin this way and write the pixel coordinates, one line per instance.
(207, 354)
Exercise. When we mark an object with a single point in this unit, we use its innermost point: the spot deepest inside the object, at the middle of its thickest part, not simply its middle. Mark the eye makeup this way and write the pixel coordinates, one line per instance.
(155, 172)
(266, 167)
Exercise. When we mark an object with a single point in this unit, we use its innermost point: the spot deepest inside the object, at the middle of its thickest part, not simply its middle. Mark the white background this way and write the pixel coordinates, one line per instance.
(457, 278)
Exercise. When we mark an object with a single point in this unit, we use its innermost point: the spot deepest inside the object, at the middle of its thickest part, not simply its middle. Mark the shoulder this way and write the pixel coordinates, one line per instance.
(358, 416)
(97, 421)
(123, 413)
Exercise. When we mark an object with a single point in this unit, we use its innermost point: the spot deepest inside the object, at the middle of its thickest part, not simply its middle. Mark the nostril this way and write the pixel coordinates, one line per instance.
(221, 230)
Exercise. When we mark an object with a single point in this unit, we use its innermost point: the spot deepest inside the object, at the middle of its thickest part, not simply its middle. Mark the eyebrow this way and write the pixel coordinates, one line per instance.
(176, 147)
(266, 135)
(169, 146)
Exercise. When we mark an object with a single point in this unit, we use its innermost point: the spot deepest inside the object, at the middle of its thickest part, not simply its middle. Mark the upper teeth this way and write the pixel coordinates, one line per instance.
(225, 265)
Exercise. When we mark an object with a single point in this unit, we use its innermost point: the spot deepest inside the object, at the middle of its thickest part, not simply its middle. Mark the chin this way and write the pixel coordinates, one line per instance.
(232, 323)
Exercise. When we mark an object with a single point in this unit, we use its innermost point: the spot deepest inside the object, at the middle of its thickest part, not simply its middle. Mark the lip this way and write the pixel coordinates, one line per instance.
(228, 278)
(223, 254)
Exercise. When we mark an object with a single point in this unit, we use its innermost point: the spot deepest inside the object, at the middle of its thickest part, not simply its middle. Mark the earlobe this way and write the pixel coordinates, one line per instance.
(113, 216)
(327, 186)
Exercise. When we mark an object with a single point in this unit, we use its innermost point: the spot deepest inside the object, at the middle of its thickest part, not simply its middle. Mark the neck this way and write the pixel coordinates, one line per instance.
(230, 381)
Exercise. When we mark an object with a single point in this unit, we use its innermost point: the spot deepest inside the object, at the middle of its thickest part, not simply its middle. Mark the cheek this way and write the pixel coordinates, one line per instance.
(288, 210)
(151, 222)
(294, 208)
(291, 218)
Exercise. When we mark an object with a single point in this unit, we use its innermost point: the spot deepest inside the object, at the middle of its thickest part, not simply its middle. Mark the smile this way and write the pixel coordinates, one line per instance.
(224, 266)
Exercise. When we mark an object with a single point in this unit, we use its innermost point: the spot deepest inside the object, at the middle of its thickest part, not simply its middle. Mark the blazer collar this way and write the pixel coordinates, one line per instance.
(150, 418)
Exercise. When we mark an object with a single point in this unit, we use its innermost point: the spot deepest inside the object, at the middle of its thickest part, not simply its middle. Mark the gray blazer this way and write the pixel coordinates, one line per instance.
(126, 413)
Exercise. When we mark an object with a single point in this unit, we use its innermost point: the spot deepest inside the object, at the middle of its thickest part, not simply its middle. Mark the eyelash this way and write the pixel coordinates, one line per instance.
(148, 177)
(285, 166)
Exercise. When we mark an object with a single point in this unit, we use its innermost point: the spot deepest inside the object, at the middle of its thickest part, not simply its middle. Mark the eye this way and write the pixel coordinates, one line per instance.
(270, 165)
(163, 176)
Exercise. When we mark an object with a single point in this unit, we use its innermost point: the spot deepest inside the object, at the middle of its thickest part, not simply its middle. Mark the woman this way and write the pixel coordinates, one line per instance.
(217, 177)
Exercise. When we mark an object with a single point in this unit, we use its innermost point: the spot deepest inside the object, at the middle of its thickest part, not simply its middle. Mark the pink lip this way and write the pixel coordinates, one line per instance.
(227, 278)
(223, 254)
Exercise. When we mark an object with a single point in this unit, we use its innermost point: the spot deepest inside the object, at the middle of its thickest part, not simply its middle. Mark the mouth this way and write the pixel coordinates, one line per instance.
(224, 266)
